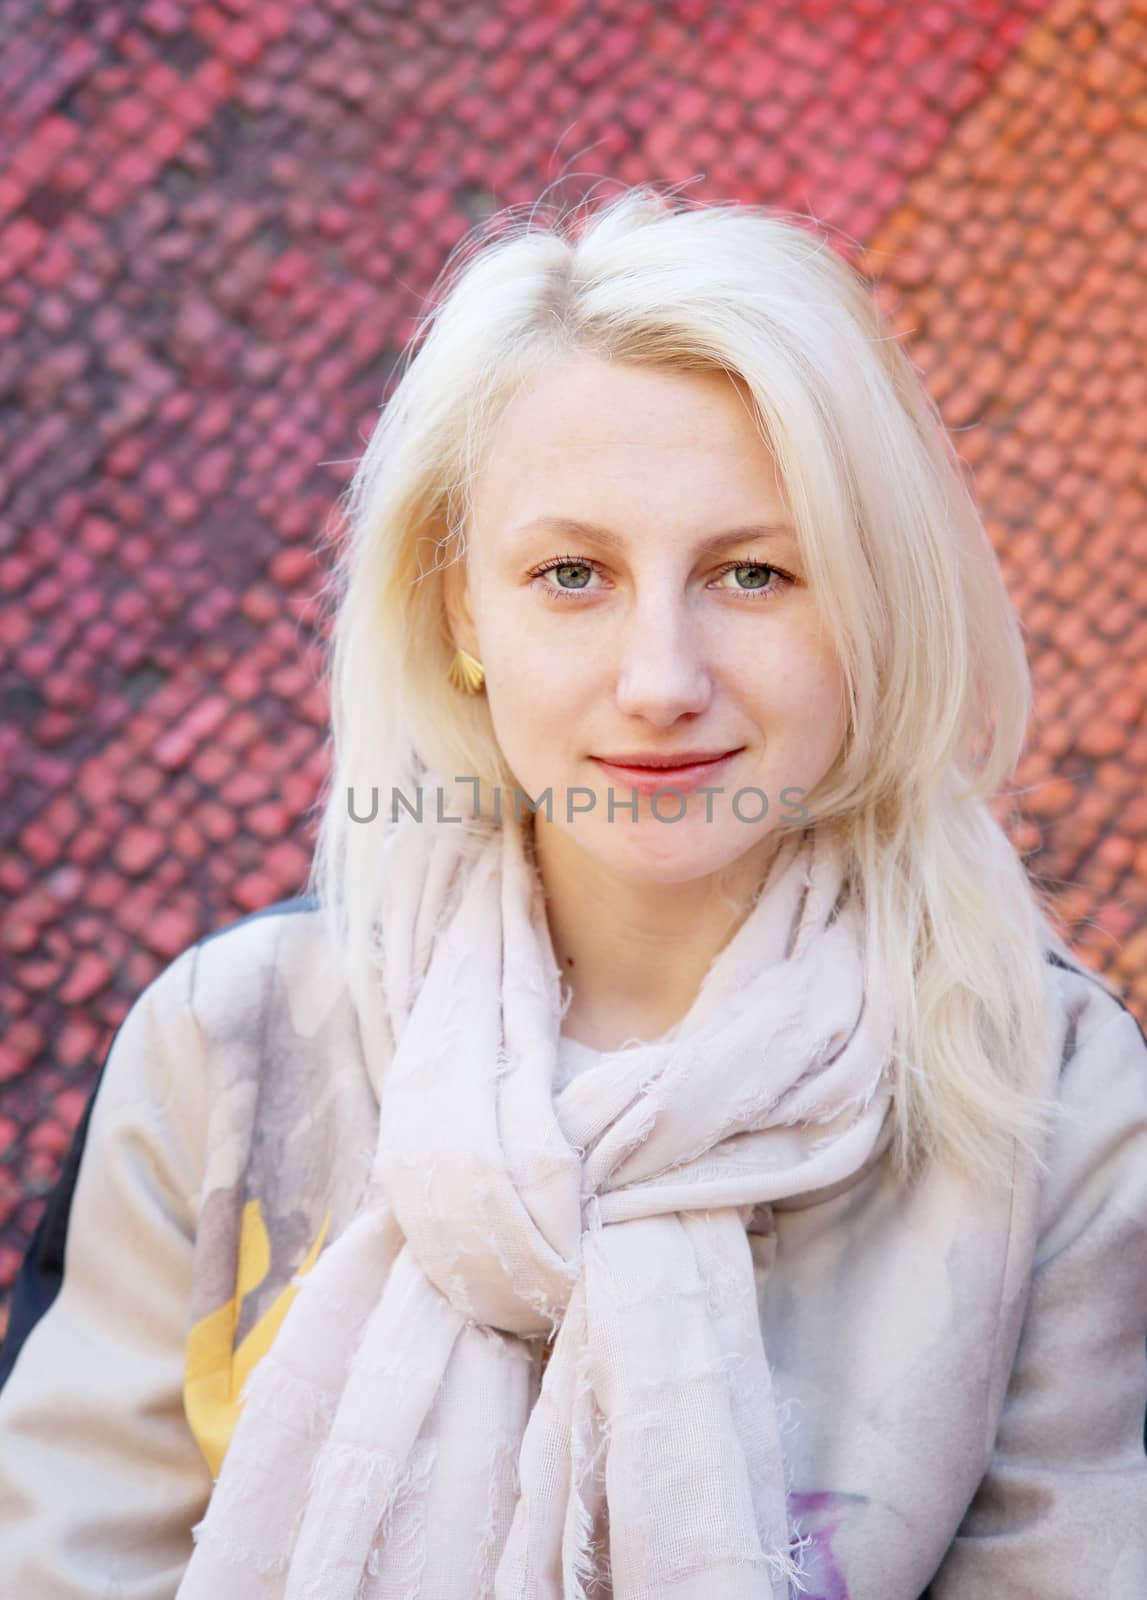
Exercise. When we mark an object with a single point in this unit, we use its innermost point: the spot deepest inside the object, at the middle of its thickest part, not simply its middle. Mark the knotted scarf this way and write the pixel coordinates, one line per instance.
(400, 1438)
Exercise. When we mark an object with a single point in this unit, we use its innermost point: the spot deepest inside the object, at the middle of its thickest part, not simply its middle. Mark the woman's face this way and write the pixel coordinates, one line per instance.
(674, 621)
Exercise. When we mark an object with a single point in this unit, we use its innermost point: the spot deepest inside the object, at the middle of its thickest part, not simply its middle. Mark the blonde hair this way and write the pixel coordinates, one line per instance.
(894, 548)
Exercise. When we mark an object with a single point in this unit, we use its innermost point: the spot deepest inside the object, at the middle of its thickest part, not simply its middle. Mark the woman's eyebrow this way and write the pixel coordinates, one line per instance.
(717, 541)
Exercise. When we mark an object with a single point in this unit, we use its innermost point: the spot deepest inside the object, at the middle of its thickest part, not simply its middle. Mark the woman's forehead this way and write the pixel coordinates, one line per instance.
(578, 436)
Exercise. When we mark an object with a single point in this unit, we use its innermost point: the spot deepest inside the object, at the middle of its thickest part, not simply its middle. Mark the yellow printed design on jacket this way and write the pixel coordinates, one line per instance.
(216, 1369)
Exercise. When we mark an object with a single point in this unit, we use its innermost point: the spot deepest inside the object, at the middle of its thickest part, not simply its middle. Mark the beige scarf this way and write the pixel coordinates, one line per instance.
(396, 1441)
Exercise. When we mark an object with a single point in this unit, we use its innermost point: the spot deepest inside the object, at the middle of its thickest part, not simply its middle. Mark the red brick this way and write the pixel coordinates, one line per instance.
(78, 1042)
(88, 976)
(172, 931)
(48, 1138)
(41, 844)
(256, 890)
(138, 849)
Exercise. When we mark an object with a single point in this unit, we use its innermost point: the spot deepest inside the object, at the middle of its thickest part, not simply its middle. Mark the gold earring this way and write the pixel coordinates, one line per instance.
(466, 673)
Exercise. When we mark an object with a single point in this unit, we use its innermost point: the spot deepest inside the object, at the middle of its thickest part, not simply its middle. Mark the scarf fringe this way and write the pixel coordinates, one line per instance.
(586, 1464)
(244, 1557)
(485, 1225)
(292, 1402)
(800, 1543)
(358, 1499)
(295, 1408)
(726, 1365)
(503, 1472)
(399, 1550)
(788, 1569)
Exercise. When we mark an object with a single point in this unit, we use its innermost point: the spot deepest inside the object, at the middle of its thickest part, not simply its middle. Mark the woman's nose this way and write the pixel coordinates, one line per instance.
(662, 671)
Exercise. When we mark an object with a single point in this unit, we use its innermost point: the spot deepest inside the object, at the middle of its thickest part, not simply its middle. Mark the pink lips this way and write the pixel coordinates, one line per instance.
(647, 780)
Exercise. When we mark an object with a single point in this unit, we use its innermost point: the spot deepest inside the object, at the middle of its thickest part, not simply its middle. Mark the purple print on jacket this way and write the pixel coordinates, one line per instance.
(817, 1514)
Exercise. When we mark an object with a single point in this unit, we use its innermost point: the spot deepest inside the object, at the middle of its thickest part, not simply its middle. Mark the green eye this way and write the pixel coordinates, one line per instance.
(766, 580)
(565, 565)
(760, 572)
(575, 567)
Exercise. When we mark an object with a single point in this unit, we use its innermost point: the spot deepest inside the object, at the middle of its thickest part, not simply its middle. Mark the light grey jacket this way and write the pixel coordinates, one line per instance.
(963, 1380)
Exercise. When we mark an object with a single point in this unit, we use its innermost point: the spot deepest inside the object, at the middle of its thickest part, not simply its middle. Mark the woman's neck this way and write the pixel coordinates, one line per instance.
(635, 953)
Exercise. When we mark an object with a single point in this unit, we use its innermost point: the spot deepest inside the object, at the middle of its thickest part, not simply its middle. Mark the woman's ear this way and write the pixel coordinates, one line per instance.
(456, 602)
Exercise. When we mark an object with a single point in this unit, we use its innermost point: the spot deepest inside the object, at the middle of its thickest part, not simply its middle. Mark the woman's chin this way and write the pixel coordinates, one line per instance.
(663, 852)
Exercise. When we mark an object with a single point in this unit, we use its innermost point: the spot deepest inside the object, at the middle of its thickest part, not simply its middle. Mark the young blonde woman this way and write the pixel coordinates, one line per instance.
(670, 1153)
